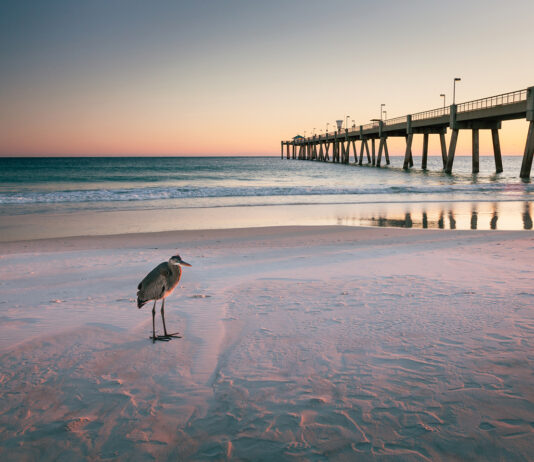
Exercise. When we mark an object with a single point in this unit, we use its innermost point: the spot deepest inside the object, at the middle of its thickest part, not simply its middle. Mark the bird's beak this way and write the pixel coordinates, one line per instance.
(184, 263)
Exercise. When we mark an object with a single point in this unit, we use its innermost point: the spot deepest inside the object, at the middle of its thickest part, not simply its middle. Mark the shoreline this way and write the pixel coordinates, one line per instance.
(488, 215)
(164, 239)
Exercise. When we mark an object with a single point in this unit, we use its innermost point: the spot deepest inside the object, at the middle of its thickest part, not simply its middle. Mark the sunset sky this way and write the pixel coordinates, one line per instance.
(235, 77)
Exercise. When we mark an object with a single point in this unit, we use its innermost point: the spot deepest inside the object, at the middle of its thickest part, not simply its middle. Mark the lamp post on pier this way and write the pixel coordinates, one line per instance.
(382, 110)
(347, 122)
(456, 79)
(443, 96)
(327, 124)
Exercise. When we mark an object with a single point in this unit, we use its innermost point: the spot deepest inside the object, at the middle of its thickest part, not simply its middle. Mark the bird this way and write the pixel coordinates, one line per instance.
(158, 285)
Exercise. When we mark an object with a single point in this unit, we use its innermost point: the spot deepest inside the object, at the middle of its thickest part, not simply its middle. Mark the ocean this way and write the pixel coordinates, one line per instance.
(51, 197)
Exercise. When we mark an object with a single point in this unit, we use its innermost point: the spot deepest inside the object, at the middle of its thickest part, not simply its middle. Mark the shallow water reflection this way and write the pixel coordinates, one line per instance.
(483, 216)
(514, 215)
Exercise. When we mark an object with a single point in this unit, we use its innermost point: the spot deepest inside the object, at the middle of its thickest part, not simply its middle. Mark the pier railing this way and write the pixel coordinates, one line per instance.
(492, 101)
(396, 120)
(432, 113)
(478, 104)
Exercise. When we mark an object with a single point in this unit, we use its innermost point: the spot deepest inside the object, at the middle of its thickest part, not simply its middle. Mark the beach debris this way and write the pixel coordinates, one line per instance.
(200, 296)
(57, 301)
(76, 424)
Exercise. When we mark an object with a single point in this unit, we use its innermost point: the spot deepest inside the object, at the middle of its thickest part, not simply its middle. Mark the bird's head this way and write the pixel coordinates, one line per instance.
(177, 260)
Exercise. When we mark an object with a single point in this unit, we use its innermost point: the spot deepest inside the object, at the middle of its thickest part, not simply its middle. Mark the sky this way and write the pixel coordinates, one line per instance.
(201, 77)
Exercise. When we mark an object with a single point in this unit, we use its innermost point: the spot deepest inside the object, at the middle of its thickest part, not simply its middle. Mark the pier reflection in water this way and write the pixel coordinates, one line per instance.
(463, 216)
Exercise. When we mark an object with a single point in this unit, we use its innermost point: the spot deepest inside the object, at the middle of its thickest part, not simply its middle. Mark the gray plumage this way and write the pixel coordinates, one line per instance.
(162, 279)
(157, 285)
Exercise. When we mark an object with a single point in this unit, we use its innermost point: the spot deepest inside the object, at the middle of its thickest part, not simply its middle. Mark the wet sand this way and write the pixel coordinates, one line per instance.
(308, 343)
(463, 215)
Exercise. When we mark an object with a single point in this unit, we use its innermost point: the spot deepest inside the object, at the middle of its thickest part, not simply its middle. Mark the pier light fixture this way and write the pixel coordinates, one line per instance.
(327, 124)
(353, 124)
(456, 79)
(382, 110)
(347, 122)
(443, 96)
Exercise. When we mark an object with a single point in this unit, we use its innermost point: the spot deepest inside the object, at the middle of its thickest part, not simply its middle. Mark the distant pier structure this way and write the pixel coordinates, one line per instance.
(481, 114)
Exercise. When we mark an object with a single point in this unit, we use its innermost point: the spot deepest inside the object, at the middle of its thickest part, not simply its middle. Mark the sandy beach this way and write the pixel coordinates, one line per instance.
(299, 343)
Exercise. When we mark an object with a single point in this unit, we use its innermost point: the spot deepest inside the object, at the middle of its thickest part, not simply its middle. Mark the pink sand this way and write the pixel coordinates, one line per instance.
(304, 343)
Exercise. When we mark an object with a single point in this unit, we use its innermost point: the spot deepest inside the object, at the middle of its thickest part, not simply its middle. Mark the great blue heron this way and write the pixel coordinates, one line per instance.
(157, 285)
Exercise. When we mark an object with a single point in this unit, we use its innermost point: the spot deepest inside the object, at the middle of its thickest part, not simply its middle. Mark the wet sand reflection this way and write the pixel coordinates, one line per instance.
(485, 216)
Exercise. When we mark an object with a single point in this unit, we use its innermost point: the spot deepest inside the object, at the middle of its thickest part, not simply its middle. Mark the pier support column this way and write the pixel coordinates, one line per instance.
(373, 155)
(380, 149)
(327, 156)
(526, 165)
(496, 150)
(287, 151)
(362, 147)
(386, 152)
(452, 150)
(425, 151)
(354, 151)
(476, 161)
(408, 153)
(443, 149)
(282, 149)
(369, 161)
(320, 151)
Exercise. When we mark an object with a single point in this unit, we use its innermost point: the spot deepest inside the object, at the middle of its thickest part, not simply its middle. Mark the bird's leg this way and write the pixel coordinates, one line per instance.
(163, 316)
(176, 334)
(164, 338)
(153, 322)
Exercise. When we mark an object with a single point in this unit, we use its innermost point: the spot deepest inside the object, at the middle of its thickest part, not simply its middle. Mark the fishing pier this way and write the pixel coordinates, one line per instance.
(481, 114)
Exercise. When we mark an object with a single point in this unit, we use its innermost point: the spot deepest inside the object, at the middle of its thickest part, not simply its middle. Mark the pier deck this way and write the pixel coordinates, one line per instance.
(481, 114)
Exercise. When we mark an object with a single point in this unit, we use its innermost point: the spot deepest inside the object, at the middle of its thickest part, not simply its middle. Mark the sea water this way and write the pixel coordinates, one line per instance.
(48, 197)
